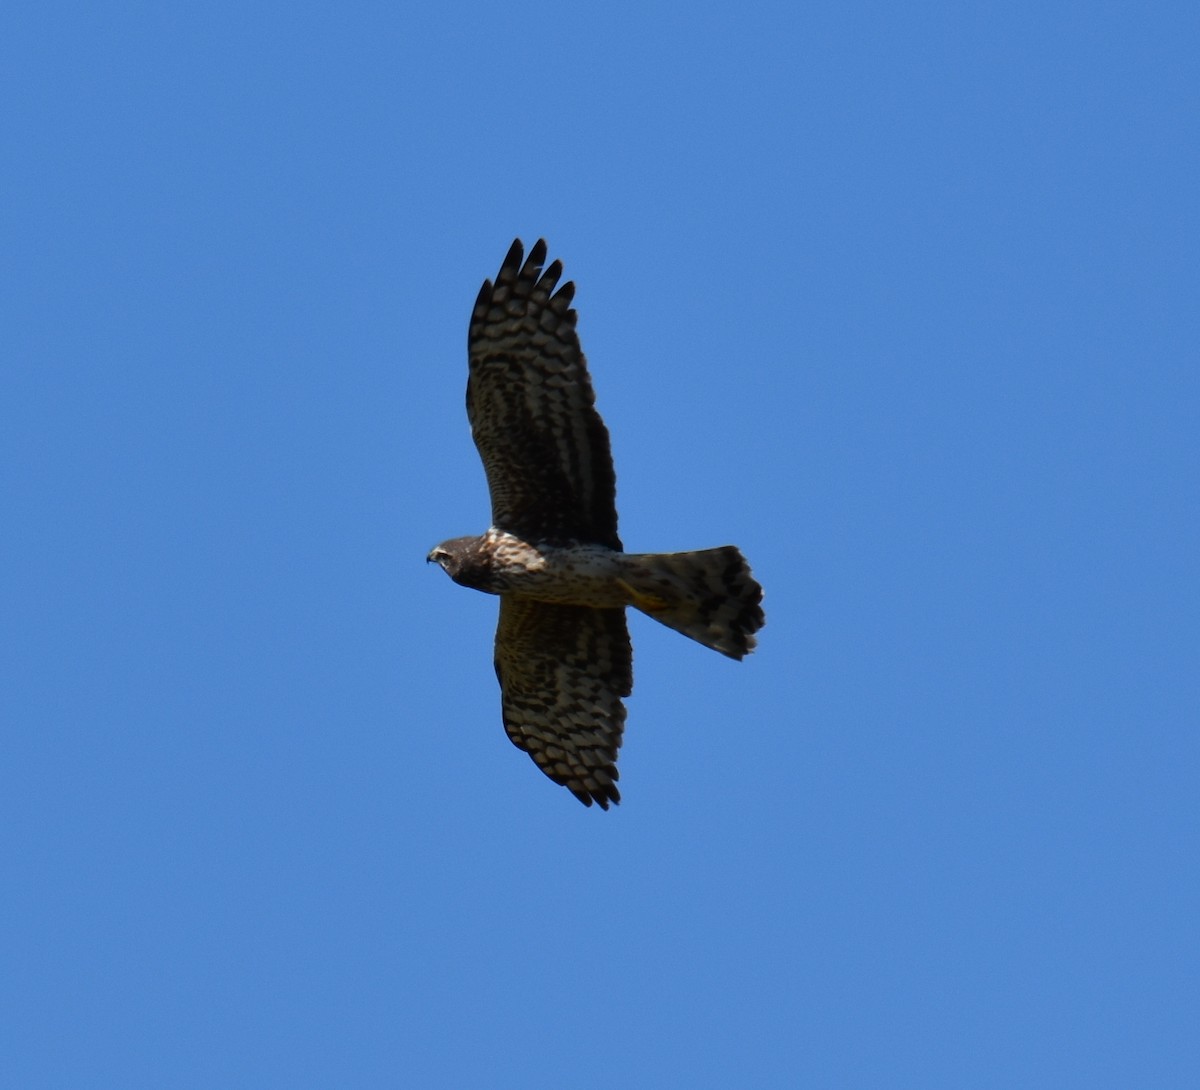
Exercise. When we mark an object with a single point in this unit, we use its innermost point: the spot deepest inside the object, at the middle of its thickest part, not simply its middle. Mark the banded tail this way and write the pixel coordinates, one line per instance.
(708, 595)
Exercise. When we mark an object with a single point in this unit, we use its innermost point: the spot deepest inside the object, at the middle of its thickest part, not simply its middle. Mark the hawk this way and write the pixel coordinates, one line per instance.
(563, 656)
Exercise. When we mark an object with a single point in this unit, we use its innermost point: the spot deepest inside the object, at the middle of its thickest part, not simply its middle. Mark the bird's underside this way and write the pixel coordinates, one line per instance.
(563, 657)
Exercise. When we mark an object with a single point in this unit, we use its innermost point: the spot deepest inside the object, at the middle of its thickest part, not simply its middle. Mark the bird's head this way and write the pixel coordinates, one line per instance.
(455, 557)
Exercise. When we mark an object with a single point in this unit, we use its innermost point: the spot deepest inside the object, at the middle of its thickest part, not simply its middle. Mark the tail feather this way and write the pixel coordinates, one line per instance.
(708, 595)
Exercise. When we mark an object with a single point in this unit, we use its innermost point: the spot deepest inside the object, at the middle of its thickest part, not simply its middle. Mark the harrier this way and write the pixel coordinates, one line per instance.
(563, 656)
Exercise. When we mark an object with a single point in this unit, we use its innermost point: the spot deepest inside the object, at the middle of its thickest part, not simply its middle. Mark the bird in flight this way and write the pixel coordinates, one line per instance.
(552, 554)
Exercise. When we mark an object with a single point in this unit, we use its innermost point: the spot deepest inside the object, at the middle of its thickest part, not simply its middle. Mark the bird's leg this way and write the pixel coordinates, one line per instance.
(647, 603)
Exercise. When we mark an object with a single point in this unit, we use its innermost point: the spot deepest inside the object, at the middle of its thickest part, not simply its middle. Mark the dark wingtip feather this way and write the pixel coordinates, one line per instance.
(550, 277)
(602, 797)
(515, 252)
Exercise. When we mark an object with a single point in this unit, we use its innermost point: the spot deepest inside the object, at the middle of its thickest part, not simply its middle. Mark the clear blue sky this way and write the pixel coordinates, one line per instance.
(901, 299)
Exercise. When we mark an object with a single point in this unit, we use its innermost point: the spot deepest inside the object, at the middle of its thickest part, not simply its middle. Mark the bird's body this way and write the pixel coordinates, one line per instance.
(553, 555)
(502, 563)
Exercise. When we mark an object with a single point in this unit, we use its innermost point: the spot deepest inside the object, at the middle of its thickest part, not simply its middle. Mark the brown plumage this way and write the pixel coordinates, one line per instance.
(563, 656)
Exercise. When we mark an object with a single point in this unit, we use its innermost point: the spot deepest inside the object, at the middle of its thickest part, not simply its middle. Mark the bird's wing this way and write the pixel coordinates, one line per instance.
(532, 411)
(563, 671)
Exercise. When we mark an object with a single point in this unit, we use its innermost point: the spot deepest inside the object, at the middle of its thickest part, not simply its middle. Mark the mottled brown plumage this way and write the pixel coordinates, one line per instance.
(532, 410)
(553, 554)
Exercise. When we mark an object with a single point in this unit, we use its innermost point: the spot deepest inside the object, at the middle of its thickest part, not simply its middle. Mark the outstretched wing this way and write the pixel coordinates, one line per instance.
(562, 672)
(532, 411)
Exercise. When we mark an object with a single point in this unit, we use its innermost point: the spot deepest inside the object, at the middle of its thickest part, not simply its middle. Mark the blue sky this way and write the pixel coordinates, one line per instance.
(901, 299)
